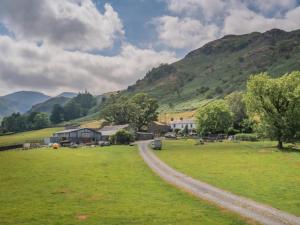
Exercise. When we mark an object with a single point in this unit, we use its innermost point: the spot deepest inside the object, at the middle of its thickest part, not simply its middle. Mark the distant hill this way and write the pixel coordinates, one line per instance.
(20, 102)
(47, 106)
(220, 67)
(67, 94)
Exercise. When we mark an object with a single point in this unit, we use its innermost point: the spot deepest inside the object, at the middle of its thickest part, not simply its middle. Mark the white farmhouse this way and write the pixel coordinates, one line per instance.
(181, 124)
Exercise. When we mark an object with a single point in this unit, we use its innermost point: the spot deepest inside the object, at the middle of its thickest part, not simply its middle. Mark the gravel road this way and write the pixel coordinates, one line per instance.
(245, 207)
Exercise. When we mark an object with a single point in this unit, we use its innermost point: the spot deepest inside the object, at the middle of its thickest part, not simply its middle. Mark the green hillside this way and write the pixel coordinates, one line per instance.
(20, 102)
(47, 106)
(220, 67)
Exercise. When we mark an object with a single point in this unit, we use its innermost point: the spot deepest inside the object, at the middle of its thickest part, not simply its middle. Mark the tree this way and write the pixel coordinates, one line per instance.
(41, 120)
(57, 114)
(139, 110)
(120, 111)
(276, 101)
(72, 110)
(122, 137)
(14, 123)
(86, 102)
(237, 106)
(147, 110)
(214, 118)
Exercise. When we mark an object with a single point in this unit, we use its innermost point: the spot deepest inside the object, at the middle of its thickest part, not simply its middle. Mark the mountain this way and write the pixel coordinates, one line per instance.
(67, 94)
(20, 102)
(220, 67)
(47, 106)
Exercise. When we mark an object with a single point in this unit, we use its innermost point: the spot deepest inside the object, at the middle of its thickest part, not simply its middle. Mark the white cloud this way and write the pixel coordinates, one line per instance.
(209, 8)
(184, 33)
(242, 21)
(54, 70)
(267, 6)
(71, 24)
(195, 22)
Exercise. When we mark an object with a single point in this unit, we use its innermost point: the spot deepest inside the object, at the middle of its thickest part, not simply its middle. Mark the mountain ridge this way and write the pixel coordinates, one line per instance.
(20, 101)
(220, 67)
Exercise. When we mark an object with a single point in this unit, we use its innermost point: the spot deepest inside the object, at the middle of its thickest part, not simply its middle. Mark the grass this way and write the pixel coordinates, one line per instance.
(94, 186)
(28, 136)
(255, 170)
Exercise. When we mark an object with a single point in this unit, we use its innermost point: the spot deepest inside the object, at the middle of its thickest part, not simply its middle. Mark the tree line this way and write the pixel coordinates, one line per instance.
(75, 108)
(269, 107)
(18, 123)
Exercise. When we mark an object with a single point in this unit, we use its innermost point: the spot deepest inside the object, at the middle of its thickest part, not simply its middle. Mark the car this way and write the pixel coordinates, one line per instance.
(156, 144)
(171, 135)
(104, 143)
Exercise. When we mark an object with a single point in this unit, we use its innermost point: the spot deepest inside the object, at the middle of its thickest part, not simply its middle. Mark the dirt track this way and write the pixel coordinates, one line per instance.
(245, 207)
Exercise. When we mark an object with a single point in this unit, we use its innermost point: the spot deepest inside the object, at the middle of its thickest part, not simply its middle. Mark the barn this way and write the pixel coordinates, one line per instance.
(77, 136)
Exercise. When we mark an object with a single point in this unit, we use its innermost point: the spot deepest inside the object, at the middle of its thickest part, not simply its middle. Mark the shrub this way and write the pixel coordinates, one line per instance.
(246, 137)
(121, 137)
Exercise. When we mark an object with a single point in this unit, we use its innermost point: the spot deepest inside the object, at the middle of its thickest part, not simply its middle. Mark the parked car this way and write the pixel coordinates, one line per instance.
(156, 144)
(170, 135)
(104, 143)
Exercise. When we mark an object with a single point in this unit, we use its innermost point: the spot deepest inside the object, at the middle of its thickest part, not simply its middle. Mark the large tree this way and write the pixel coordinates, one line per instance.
(41, 120)
(147, 109)
(276, 102)
(57, 114)
(237, 105)
(120, 112)
(72, 110)
(86, 102)
(138, 111)
(214, 118)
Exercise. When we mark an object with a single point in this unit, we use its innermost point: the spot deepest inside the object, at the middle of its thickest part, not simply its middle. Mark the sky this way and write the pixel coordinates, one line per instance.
(53, 46)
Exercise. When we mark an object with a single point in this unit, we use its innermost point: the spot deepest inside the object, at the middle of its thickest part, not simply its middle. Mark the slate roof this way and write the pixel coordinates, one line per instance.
(111, 130)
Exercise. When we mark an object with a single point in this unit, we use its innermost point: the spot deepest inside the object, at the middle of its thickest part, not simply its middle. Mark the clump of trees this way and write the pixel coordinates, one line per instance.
(270, 107)
(138, 110)
(77, 107)
(122, 137)
(214, 118)
(18, 123)
(276, 104)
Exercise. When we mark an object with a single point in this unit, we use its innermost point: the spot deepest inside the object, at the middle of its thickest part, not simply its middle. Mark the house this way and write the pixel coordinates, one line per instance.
(182, 123)
(158, 129)
(77, 136)
(109, 131)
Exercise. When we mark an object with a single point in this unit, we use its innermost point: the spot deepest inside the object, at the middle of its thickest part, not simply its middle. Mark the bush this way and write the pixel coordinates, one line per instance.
(246, 137)
(121, 137)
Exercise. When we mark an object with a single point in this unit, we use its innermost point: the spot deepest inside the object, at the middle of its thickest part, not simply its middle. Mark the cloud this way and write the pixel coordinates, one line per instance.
(267, 6)
(70, 24)
(208, 9)
(54, 70)
(184, 33)
(191, 23)
(242, 21)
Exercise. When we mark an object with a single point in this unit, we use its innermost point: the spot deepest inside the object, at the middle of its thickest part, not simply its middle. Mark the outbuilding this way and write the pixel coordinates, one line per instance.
(77, 136)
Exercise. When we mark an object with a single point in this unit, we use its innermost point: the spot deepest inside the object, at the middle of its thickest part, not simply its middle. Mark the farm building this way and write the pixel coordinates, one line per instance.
(181, 124)
(78, 136)
(109, 131)
(158, 129)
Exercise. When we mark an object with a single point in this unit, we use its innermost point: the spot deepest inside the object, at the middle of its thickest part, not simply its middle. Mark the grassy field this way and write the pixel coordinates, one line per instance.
(28, 136)
(94, 186)
(254, 170)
